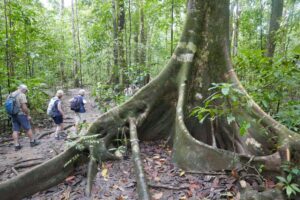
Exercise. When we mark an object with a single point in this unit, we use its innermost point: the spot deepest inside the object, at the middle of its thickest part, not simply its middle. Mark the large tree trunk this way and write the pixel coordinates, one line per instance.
(161, 109)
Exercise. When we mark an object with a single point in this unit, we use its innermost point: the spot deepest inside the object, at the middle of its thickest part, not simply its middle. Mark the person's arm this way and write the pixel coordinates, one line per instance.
(25, 109)
(23, 105)
(59, 107)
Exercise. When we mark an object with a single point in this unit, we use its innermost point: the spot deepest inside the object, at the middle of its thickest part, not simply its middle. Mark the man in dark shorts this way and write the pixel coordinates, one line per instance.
(22, 118)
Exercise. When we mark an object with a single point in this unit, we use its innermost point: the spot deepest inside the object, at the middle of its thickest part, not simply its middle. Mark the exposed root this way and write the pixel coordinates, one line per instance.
(142, 187)
(38, 178)
(92, 171)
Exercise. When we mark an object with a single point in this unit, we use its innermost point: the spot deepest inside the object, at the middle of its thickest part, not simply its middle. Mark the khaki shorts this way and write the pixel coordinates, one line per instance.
(80, 118)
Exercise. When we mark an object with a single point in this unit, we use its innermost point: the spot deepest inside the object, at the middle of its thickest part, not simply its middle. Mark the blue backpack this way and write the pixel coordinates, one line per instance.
(11, 105)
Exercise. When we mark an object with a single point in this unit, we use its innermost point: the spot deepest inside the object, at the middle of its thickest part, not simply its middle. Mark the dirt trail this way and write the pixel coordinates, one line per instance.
(12, 162)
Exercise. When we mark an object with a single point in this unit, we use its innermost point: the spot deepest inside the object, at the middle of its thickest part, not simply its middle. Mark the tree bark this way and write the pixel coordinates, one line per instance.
(276, 14)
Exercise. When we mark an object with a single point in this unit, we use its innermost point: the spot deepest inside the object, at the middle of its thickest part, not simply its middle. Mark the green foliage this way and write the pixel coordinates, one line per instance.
(291, 181)
(272, 85)
(217, 105)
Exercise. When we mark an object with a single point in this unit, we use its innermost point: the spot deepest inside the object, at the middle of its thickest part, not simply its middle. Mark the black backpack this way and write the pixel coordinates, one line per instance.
(75, 104)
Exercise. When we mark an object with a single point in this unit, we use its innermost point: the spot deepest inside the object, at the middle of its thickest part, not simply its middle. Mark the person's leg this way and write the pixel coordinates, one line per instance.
(30, 135)
(57, 131)
(77, 122)
(15, 136)
(60, 127)
(16, 131)
(25, 123)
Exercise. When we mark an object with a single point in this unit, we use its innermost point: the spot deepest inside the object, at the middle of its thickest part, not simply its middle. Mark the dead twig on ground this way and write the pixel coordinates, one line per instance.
(27, 160)
(206, 173)
(15, 171)
(169, 187)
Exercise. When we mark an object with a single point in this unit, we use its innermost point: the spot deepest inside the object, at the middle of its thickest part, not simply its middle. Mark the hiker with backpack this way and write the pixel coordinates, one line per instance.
(16, 108)
(56, 112)
(77, 105)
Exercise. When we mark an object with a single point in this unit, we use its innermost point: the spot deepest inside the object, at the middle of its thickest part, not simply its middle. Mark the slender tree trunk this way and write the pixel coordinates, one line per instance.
(129, 37)
(236, 28)
(121, 51)
(172, 26)
(289, 28)
(261, 25)
(62, 59)
(11, 41)
(78, 40)
(115, 71)
(143, 43)
(75, 57)
(7, 47)
(276, 14)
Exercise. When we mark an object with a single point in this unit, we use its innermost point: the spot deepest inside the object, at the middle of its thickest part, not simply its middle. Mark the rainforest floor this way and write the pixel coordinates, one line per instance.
(116, 179)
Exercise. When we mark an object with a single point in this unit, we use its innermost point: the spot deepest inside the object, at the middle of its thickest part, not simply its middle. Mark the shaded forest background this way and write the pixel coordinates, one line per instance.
(106, 45)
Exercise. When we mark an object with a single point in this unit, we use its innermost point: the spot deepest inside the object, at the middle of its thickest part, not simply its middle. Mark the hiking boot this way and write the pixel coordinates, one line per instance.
(34, 143)
(63, 134)
(18, 147)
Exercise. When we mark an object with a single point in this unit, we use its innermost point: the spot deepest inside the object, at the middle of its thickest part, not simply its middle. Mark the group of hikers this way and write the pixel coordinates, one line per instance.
(17, 109)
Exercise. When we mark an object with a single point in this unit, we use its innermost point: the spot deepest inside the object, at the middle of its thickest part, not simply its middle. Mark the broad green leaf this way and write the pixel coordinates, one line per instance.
(225, 91)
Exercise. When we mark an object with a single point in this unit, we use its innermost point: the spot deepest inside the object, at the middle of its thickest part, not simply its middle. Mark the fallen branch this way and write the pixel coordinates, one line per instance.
(55, 150)
(206, 173)
(31, 159)
(52, 131)
(142, 186)
(169, 187)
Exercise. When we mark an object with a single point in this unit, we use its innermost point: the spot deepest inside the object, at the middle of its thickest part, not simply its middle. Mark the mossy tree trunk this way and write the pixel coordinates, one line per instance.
(161, 109)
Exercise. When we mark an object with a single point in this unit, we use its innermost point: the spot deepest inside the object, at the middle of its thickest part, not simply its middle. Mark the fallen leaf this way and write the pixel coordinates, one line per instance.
(104, 173)
(157, 195)
(243, 183)
(70, 178)
(181, 173)
(183, 198)
(120, 197)
(234, 173)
